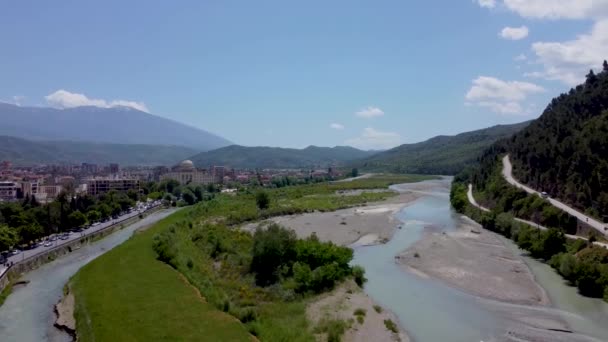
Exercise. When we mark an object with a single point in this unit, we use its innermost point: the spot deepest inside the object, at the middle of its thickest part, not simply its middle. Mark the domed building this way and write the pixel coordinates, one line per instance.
(186, 165)
(186, 173)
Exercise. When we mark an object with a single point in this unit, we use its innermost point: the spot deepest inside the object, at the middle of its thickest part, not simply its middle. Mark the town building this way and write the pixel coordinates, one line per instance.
(97, 186)
(8, 190)
(186, 173)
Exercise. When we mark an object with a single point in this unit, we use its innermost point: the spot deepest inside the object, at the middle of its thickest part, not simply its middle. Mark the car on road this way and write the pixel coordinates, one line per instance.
(48, 243)
(53, 238)
(65, 236)
(15, 252)
(544, 195)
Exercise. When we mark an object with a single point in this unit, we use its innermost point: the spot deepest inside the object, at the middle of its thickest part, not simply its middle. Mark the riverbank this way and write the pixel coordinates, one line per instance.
(474, 260)
(478, 262)
(362, 225)
(346, 304)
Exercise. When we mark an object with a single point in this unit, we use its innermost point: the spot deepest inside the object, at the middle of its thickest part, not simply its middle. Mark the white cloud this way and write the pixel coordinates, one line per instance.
(486, 3)
(520, 58)
(570, 61)
(18, 99)
(514, 33)
(503, 97)
(371, 138)
(336, 126)
(370, 112)
(65, 99)
(558, 9)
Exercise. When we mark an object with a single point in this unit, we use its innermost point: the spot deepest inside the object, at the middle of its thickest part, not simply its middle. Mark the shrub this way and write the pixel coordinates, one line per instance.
(359, 275)
(262, 200)
(390, 325)
(334, 328)
(273, 247)
(360, 312)
(378, 308)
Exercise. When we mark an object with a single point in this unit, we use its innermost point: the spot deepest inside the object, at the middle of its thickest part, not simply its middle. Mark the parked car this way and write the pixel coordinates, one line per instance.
(15, 252)
(48, 243)
(544, 195)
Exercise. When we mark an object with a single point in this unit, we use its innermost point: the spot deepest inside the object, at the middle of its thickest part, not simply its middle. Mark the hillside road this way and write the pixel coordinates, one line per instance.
(507, 172)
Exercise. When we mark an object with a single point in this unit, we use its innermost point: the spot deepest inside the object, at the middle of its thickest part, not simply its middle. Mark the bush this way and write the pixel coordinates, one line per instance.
(378, 308)
(334, 328)
(359, 275)
(164, 247)
(273, 247)
(262, 200)
(360, 312)
(390, 325)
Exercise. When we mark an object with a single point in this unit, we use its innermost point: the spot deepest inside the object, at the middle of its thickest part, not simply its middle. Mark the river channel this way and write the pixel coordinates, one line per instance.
(27, 314)
(432, 311)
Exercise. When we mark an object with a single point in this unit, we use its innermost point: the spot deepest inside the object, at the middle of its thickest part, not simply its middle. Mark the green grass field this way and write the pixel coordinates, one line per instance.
(129, 295)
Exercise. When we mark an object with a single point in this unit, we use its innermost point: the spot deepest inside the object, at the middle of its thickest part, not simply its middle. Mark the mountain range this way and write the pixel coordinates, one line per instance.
(279, 158)
(117, 125)
(445, 155)
(26, 152)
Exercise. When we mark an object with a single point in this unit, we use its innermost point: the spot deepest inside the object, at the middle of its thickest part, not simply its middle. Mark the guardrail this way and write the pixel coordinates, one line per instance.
(4, 275)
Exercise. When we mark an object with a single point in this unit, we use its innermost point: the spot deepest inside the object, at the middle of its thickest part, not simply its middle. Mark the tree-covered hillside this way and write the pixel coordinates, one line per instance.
(278, 158)
(445, 155)
(565, 151)
(26, 152)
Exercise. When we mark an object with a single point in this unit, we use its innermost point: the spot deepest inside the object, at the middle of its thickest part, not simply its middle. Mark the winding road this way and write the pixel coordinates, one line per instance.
(507, 172)
(530, 223)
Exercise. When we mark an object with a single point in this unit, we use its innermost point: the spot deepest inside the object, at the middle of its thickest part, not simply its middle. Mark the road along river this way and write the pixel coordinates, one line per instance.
(27, 314)
(431, 311)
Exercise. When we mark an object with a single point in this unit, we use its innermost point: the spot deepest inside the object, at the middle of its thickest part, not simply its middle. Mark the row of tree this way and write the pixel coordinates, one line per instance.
(26, 221)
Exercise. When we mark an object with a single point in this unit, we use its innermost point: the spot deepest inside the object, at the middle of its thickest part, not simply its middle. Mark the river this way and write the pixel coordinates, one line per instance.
(27, 314)
(432, 311)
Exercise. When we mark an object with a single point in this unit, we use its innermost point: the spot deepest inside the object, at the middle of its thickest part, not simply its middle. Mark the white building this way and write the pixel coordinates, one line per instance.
(186, 173)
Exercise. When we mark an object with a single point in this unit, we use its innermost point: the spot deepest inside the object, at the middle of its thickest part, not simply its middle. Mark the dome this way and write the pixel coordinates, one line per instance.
(186, 165)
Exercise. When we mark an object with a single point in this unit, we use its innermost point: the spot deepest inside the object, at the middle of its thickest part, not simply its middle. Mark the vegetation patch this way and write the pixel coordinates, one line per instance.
(390, 325)
(333, 328)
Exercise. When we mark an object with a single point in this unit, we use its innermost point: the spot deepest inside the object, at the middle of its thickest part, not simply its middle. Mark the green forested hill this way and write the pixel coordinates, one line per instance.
(278, 158)
(565, 151)
(445, 155)
(26, 152)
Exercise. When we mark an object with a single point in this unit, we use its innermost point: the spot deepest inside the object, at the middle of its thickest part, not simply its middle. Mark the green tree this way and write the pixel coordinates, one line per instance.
(30, 232)
(262, 200)
(189, 197)
(93, 216)
(77, 219)
(8, 237)
(273, 247)
(354, 172)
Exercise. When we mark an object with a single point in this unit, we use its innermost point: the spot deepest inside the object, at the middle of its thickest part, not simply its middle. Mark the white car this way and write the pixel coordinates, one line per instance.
(48, 243)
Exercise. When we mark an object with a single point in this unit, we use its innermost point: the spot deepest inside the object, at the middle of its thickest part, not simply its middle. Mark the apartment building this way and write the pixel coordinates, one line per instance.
(96, 186)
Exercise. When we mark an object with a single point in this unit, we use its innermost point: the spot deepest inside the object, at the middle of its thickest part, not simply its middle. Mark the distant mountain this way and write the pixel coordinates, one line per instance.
(445, 155)
(120, 125)
(278, 158)
(26, 152)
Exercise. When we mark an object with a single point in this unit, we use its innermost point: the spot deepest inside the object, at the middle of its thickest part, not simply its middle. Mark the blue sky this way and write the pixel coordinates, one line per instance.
(372, 74)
